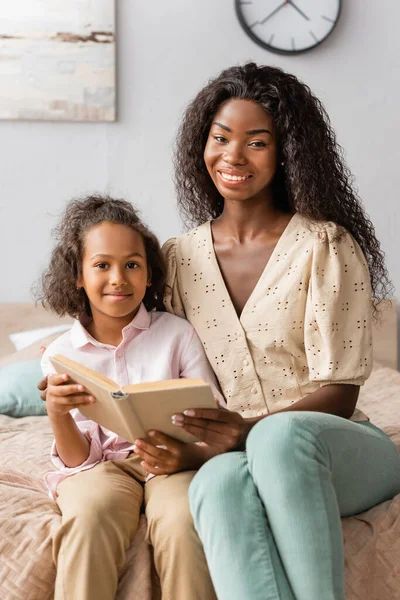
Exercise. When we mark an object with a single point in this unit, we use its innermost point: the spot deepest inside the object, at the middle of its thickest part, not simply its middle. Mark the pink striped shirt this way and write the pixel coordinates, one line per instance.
(154, 346)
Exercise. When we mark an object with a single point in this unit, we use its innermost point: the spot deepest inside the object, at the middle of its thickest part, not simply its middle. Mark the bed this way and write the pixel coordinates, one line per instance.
(28, 517)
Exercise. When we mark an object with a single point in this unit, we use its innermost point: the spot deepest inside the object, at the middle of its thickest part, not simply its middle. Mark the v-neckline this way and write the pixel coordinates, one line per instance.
(263, 274)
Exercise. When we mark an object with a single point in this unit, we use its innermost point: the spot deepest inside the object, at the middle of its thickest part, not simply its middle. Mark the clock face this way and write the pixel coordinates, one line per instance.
(288, 26)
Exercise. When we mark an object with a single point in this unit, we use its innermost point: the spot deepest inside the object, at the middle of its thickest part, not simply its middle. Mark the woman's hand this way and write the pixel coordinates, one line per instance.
(62, 395)
(174, 457)
(221, 429)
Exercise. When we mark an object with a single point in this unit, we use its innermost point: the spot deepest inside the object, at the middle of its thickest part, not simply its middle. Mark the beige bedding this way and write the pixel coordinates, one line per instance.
(28, 517)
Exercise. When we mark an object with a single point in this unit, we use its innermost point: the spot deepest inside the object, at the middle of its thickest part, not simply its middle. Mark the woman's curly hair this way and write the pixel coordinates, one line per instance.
(314, 181)
(57, 288)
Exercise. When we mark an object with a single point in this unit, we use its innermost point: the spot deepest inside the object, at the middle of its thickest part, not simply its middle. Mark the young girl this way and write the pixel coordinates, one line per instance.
(107, 271)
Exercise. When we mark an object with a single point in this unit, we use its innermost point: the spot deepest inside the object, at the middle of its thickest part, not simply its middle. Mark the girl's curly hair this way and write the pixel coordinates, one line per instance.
(314, 181)
(57, 287)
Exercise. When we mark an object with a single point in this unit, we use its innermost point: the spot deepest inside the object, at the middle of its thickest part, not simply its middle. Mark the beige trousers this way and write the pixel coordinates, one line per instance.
(100, 513)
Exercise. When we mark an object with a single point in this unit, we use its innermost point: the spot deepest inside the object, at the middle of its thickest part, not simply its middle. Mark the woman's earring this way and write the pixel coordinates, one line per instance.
(149, 284)
(282, 164)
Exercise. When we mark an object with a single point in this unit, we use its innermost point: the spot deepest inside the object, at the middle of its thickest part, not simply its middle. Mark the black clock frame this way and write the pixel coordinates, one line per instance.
(259, 42)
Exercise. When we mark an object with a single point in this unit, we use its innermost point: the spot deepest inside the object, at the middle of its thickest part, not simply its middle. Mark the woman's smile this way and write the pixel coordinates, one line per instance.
(241, 151)
(232, 179)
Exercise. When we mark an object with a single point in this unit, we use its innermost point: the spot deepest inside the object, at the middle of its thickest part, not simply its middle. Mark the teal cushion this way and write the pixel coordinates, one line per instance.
(19, 396)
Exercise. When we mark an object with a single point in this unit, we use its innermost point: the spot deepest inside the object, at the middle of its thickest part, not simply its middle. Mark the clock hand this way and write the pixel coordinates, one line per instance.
(298, 9)
(274, 12)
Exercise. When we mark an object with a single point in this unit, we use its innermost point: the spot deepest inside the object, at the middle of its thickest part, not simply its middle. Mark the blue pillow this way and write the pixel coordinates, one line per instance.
(19, 396)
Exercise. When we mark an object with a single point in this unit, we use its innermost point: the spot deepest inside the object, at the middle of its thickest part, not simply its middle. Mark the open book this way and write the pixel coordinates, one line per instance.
(134, 409)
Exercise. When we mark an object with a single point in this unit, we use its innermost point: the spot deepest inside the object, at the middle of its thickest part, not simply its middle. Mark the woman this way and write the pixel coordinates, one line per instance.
(277, 279)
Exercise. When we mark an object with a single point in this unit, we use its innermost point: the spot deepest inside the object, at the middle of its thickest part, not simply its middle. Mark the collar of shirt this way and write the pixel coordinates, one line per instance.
(80, 336)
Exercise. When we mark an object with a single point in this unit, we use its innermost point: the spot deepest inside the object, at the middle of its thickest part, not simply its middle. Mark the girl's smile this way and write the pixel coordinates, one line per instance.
(118, 297)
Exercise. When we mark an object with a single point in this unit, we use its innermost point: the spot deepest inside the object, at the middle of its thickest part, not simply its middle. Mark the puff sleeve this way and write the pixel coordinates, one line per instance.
(338, 319)
(172, 298)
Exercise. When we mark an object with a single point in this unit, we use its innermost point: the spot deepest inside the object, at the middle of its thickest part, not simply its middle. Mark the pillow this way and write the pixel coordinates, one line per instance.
(29, 353)
(19, 396)
(23, 339)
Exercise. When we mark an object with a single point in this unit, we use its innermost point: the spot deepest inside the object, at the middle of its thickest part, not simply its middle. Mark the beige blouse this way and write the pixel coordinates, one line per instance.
(306, 324)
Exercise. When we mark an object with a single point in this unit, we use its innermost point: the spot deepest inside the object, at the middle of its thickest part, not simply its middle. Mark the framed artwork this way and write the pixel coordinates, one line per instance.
(57, 60)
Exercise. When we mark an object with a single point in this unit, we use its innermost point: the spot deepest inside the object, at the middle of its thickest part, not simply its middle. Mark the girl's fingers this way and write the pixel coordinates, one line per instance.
(67, 390)
(42, 385)
(74, 400)
(56, 379)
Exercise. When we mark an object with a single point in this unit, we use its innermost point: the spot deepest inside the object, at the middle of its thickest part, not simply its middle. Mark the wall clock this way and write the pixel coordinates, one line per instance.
(288, 26)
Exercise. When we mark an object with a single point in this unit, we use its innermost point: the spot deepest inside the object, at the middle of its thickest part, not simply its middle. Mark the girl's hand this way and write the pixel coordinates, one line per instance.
(175, 457)
(220, 429)
(42, 387)
(63, 395)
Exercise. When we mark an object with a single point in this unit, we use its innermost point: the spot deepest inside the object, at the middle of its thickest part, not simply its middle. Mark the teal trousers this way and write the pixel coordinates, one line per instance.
(269, 518)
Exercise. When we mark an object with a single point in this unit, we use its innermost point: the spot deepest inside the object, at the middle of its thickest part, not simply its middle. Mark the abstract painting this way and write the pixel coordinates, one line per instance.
(57, 60)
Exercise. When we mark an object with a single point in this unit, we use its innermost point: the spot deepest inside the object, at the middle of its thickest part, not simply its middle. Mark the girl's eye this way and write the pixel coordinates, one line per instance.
(132, 265)
(101, 265)
(258, 144)
(220, 139)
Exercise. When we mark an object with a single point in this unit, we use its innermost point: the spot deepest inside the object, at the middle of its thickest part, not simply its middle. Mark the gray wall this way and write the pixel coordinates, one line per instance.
(167, 51)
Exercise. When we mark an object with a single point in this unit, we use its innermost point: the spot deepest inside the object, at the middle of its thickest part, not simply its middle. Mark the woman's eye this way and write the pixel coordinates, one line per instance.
(101, 265)
(220, 139)
(258, 144)
(132, 265)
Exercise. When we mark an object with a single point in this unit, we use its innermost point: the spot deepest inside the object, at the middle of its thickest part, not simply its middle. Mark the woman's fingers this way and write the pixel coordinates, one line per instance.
(223, 429)
(212, 414)
(214, 426)
(213, 438)
(150, 452)
(154, 470)
(162, 455)
(156, 461)
(224, 433)
(161, 439)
